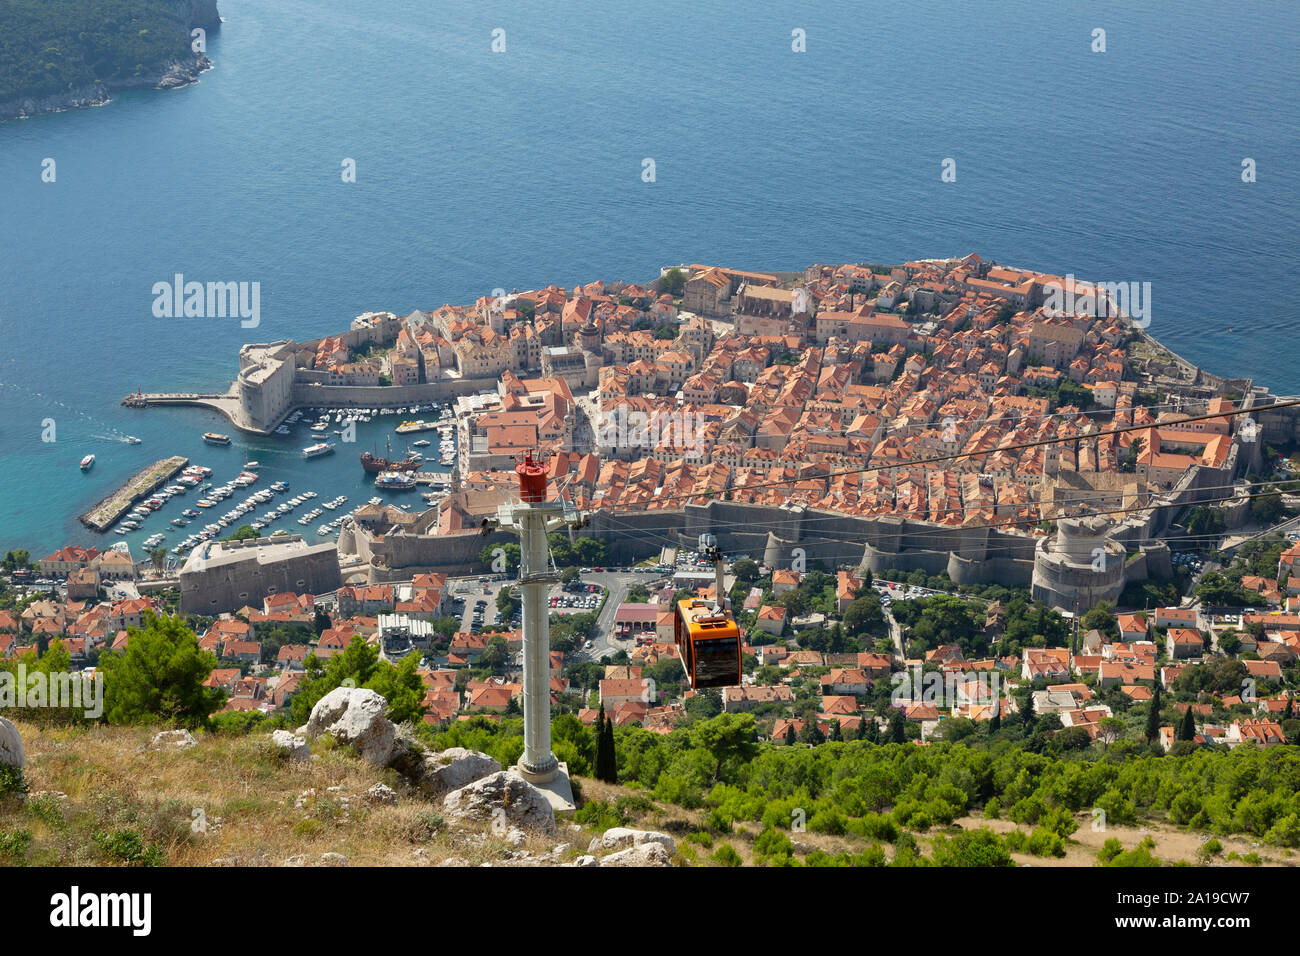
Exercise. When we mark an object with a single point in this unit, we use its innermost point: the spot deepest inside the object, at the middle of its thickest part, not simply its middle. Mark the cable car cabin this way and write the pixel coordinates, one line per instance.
(708, 641)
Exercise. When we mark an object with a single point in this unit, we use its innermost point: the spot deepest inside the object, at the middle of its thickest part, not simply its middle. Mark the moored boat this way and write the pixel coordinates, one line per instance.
(395, 481)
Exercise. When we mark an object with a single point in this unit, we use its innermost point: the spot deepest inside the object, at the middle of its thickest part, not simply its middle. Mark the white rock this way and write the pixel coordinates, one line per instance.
(620, 838)
(454, 768)
(503, 799)
(382, 793)
(176, 739)
(585, 861)
(516, 837)
(643, 854)
(355, 716)
(333, 859)
(11, 745)
(295, 748)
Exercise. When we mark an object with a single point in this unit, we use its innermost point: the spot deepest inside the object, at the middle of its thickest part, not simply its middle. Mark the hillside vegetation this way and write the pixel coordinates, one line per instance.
(102, 796)
(48, 47)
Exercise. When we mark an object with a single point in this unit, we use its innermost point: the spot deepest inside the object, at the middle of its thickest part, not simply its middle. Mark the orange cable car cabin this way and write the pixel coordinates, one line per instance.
(708, 641)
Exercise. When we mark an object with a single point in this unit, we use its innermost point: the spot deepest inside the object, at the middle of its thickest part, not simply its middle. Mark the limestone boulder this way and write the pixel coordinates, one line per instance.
(621, 838)
(643, 854)
(173, 740)
(355, 717)
(293, 747)
(501, 800)
(11, 745)
(454, 768)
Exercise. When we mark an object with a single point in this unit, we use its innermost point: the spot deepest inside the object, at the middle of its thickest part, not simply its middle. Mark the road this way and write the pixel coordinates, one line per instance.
(618, 583)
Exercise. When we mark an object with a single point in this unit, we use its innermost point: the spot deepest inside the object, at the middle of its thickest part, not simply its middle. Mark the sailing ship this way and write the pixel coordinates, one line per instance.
(375, 464)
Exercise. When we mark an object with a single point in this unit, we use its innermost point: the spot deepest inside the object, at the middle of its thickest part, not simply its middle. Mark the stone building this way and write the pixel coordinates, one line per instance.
(227, 575)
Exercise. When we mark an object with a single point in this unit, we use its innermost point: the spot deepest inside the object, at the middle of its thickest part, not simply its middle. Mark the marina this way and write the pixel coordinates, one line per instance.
(267, 465)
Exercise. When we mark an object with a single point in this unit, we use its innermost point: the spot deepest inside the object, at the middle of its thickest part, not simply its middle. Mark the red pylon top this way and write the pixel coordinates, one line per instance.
(532, 479)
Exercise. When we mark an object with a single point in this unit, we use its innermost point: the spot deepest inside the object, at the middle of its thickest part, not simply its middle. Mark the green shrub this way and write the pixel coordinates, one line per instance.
(980, 848)
(12, 780)
(127, 846)
(13, 846)
(727, 856)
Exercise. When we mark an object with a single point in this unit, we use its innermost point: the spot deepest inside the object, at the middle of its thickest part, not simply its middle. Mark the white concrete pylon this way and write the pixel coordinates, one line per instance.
(533, 518)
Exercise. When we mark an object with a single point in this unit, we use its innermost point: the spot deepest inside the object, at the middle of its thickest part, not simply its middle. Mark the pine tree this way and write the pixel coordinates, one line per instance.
(1188, 730)
(1153, 717)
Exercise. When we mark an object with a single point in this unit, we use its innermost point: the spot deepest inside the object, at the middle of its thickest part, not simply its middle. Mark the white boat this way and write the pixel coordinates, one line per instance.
(315, 451)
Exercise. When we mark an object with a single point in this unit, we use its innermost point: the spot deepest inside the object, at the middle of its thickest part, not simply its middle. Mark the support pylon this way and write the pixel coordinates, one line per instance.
(533, 518)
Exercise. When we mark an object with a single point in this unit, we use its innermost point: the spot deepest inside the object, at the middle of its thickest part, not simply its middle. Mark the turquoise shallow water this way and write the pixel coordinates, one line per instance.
(479, 170)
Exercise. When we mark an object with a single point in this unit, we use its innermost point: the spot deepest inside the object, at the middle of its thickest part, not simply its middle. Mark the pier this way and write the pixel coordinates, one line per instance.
(432, 478)
(145, 399)
(107, 513)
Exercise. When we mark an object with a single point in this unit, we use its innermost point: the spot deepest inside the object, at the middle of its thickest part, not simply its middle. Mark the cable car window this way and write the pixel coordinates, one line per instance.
(716, 662)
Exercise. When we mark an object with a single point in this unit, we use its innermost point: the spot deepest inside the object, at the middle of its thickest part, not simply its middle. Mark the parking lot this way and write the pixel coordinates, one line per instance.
(474, 601)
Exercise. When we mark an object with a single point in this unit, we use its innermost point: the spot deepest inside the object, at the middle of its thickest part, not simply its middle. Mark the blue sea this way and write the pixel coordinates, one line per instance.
(479, 169)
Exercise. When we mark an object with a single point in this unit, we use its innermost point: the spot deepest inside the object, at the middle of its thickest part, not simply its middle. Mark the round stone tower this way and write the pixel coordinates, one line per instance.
(1078, 565)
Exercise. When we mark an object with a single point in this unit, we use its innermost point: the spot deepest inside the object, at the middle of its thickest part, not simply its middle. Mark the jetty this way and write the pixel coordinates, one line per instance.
(105, 514)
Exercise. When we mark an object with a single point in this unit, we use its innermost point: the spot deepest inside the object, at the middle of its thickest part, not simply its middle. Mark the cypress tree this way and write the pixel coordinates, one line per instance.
(1027, 715)
(995, 722)
(1289, 710)
(602, 746)
(872, 730)
(790, 737)
(611, 755)
(897, 733)
(835, 733)
(1188, 730)
(1153, 717)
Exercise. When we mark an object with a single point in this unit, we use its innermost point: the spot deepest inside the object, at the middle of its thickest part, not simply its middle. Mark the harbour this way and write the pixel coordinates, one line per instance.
(146, 515)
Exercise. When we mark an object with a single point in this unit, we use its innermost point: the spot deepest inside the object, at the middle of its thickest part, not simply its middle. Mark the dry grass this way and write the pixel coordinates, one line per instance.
(229, 800)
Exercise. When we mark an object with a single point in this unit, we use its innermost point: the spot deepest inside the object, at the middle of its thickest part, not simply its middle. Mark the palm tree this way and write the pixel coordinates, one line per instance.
(158, 556)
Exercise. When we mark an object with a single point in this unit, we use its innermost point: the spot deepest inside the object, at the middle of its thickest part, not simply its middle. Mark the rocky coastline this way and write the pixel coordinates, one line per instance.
(173, 74)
